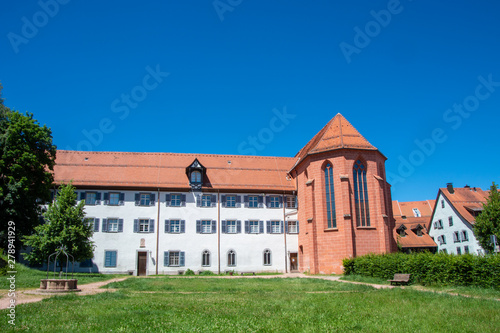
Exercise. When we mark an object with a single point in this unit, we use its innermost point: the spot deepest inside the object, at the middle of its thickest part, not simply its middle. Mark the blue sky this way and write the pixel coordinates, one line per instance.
(419, 79)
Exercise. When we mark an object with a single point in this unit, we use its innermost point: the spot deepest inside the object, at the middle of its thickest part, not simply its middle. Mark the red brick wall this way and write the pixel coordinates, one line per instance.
(322, 249)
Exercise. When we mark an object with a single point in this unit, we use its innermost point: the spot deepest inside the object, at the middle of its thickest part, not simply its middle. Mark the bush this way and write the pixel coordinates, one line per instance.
(205, 273)
(427, 268)
(189, 272)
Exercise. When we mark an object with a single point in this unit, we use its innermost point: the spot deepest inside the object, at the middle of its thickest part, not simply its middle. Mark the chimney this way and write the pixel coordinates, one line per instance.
(467, 186)
(449, 186)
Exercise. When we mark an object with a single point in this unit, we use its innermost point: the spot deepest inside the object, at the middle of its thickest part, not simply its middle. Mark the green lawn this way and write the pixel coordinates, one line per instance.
(181, 304)
(30, 278)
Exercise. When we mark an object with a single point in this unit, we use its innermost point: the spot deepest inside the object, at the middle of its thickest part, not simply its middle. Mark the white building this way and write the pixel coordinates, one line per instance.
(454, 215)
(152, 215)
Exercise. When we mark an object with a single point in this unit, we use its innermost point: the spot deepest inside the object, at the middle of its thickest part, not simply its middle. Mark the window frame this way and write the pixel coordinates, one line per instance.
(291, 201)
(88, 197)
(205, 258)
(275, 226)
(143, 226)
(206, 202)
(450, 221)
(230, 224)
(174, 258)
(206, 225)
(251, 226)
(361, 200)
(111, 203)
(233, 203)
(267, 257)
(295, 227)
(274, 201)
(109, 224)
(178, 198)
(143, 201)
(172, 226)
(253, 203)
(231, 258)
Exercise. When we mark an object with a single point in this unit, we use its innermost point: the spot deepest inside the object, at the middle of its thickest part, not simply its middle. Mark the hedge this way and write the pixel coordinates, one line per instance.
(427, 268)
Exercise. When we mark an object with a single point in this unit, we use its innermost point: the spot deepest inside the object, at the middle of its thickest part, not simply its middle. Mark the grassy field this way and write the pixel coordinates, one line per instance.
(182, 304)
(467, 291)
(30, 278)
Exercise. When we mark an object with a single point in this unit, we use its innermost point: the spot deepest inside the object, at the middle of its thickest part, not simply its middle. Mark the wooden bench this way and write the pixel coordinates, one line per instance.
(400, 279)
(243, 273)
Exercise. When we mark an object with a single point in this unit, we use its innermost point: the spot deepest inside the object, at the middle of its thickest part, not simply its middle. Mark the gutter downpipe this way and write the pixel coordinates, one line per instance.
(218, 230)
(158, 230)
(284, 232)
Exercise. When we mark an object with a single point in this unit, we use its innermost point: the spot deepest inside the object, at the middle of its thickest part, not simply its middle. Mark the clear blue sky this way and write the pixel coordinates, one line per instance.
(204, 76)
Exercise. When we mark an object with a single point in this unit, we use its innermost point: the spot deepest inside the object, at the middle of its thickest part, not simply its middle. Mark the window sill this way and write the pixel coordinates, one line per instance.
(331, 229)
(366, 228)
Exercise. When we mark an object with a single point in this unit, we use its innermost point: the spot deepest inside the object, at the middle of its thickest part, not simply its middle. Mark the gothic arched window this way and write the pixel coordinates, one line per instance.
(361, 195)
(330, 197)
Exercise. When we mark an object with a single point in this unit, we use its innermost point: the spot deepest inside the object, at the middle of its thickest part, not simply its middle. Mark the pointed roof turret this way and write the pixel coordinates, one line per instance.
(337, 134)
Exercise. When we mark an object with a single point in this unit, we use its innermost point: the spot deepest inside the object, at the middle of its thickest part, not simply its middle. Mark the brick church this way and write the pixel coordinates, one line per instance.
(162, 213)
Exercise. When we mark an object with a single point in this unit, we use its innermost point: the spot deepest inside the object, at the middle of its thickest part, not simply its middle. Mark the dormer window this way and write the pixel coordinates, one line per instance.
(401, 231)
(196, 174)
(418, 230)
(196, 177)
(416, 212)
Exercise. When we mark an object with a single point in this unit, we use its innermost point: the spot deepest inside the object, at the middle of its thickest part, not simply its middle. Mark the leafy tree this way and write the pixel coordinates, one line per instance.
(27, 157)
(488, 222)
(65, 225)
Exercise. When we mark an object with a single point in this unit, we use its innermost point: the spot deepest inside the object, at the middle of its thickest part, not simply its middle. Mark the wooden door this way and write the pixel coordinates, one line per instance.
(142, 260)
(294, 262)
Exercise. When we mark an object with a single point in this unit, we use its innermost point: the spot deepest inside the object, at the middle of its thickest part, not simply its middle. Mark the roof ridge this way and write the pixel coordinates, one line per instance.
(341, 134)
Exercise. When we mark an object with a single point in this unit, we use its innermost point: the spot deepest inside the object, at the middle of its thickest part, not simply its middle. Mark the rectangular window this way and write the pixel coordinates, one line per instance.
(206, 201)
(110, 258)
(230, 201)
(145, 199)
(275, 227)
(450, 221)
(442, 203)
(114, 198)
(144, 225)
(456, 237)
(231, 226)
(253, 201)
(274, 202)
(459, 250)
(93, 223)
(112, 225)
(465, 236)
(175, 226)
(175, 200)
(466, 249)
(174, 257)
(291, 202)
(416, 212)
(206, 226)
(254, 227)
(90, 198)
(293, 227)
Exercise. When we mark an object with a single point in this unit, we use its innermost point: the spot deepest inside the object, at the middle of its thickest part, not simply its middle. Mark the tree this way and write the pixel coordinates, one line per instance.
(65, 225)
(488, 222)
(27, 158)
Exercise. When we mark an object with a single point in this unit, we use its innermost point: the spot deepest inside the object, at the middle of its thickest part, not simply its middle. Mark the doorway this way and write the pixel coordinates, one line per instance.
(294, 262)
(142, 261)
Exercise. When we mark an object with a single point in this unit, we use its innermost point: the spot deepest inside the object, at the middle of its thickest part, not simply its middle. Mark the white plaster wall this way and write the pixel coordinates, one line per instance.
(248, 247)
(459, 224)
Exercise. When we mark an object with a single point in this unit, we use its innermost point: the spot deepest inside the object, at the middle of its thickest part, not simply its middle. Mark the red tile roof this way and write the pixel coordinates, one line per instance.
(411, 240)
(465, 197)
(168, 170)
(337, 134)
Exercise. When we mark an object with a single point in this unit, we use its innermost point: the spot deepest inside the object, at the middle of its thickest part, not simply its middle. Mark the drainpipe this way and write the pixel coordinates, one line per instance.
(284, 232)
(157, 230)
(218, 230)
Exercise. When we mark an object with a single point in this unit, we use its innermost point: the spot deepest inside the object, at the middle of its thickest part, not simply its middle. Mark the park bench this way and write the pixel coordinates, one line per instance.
(243, 273)
(400, 279)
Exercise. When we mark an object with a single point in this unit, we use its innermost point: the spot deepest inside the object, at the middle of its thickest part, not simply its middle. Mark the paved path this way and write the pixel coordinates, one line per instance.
(31, 295)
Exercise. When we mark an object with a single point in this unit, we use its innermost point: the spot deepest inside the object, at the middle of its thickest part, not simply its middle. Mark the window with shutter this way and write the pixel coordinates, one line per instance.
(110, 258)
